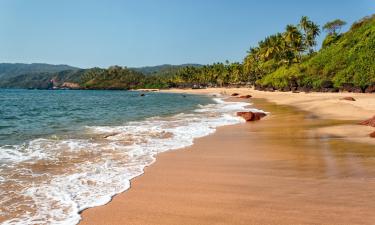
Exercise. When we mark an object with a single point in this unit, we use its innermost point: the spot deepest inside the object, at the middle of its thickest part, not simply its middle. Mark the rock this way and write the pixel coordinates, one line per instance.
(251, 116)
(234, 94)
(348, 98)
(258, 87)
(286, 89)
(306, 89)
(347, 87)
(370, 89)
(142, 94)
(245, 96)
(70, 85)
(369, 122)
(332, 90)
(372, 134)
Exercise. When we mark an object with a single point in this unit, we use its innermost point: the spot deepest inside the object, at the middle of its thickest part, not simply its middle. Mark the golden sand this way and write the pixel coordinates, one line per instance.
(280, 170)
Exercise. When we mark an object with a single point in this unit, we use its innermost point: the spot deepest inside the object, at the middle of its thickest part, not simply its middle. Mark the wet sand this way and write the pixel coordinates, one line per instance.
(280, 170)
(321, 105)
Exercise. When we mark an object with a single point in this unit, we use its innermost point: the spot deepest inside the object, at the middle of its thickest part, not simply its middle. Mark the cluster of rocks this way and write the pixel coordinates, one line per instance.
(326, 86)
(369, 122)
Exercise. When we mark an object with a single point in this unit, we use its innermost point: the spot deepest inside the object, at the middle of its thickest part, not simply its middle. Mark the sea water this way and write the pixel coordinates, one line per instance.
(65, 151)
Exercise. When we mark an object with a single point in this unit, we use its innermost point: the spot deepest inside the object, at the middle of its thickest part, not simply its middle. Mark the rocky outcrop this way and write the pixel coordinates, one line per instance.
(370, 89)
(349, 87)
(251, 116)
(348, 98)
(70, 85)
(369, 122)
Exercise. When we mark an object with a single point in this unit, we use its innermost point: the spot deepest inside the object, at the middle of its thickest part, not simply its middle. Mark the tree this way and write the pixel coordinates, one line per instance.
(334, 27)
(310, 31)
(294, 43)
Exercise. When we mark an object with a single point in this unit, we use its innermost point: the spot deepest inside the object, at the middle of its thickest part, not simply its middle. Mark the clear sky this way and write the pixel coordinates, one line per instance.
(89, 33)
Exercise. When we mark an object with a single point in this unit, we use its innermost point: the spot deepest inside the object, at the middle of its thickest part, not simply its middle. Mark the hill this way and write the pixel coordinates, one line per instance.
(163, 69)
(9, 70)
(345, 62)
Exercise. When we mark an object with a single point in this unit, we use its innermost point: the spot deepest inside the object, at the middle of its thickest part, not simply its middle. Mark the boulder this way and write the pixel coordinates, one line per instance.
(372, 134)
(305, 89)
(348, 98)
(370, 89)
(234, 94)
(245, 96)
(251, 116)
(369, 122)
(142, 95)
(286, 89)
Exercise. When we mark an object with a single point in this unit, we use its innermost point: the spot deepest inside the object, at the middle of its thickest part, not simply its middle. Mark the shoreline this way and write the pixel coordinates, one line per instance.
(321, 105)
(134, 200)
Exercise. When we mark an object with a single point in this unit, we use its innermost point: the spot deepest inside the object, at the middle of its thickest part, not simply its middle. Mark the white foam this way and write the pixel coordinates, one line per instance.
(122, 155)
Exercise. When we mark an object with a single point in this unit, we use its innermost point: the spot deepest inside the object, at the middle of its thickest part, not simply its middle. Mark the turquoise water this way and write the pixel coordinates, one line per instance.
(64, 151)
(30, 114)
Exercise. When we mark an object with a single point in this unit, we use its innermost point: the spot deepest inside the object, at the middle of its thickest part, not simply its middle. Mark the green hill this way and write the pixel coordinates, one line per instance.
(346, 62)
(8, 70)
(163, 69)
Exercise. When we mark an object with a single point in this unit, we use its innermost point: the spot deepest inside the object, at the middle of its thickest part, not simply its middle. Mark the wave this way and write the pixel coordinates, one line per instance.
(53, 180)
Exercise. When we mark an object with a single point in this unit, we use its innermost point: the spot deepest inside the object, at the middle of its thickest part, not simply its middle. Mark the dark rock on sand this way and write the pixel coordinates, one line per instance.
(348, 98)
(369, 122)
(251, 116)
(234, 94)
(372, 134)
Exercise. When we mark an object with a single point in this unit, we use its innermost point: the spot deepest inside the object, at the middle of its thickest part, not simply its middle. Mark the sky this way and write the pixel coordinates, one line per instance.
(88, 33)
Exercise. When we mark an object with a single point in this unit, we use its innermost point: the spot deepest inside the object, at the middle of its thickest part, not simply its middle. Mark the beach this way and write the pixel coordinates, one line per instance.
(299, 165)
(321, 105)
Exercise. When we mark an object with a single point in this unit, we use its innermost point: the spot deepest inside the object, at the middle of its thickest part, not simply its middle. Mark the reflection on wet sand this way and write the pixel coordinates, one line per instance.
(279, 170)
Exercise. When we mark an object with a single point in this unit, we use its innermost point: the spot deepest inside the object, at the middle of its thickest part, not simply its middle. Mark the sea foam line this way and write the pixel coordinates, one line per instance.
(125, 153)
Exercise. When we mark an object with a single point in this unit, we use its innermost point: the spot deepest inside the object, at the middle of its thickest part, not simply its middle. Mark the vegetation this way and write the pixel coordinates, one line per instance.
(333, 26)
(285, 61)
(345, 62)
(8, 70)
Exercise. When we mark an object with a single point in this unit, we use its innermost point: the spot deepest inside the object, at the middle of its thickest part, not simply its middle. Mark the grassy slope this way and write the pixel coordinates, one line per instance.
(350, 60)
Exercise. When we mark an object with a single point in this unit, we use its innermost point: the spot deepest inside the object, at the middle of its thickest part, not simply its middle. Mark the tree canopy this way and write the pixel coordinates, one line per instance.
(334, 27)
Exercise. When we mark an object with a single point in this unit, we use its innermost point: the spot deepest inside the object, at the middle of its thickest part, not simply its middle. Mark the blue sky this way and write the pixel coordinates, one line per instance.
(89, 33)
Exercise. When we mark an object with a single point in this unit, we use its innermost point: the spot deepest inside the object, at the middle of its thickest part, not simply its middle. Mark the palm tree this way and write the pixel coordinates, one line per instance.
(311, 31)
(294, 43)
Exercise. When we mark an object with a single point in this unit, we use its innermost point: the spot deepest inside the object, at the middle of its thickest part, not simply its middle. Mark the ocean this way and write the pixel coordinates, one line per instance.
(63, 151)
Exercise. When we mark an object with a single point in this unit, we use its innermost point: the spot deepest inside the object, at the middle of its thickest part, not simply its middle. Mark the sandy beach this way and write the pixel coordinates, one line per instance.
(292, 167)
(321, 105)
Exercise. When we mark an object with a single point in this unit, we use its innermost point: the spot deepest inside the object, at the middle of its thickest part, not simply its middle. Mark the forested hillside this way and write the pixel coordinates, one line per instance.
(8, 70)
(346, 61)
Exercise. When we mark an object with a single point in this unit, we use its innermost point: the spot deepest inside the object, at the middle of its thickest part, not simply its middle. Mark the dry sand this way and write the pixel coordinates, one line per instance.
(281, 170)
